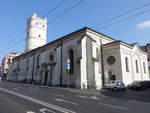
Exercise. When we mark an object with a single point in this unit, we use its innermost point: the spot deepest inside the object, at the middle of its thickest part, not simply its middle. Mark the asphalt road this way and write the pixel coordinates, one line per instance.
(27, 98)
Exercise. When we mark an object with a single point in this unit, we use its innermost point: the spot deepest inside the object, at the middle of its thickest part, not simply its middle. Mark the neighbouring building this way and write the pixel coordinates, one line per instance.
(6, 62)
(146, 49)
(95, 59)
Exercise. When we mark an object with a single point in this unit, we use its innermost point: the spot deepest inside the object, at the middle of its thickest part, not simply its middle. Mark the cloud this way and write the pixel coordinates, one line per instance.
(143, 25)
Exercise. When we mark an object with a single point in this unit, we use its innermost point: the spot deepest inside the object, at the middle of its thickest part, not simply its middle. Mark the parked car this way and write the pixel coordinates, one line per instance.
(138, 85)
(147, 83)
(116, 85)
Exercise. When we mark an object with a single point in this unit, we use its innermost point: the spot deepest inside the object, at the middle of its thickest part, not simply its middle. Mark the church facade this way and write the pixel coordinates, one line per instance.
(95, 59)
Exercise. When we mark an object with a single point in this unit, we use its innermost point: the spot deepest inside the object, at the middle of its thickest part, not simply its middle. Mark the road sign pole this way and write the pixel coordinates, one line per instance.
(68, 77)
(68, 68)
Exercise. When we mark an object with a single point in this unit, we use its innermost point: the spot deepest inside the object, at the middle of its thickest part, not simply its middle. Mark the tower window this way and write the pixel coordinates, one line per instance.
(36, 23)
(51, 58)
(43, 26)
(39, 35)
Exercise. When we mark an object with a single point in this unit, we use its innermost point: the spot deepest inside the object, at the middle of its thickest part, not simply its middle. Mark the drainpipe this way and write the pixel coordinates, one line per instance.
(16, 76)
(61, 65)
(33, 67)
(102, 63)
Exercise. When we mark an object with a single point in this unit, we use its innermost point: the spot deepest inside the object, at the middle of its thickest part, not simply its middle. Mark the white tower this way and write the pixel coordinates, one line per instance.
(36, 32)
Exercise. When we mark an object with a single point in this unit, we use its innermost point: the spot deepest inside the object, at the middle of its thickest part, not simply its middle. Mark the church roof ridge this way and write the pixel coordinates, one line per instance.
(98, 32)
(82, 30)
(120, 41)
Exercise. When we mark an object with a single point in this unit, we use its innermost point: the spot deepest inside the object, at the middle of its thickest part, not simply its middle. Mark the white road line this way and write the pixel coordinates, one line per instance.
(115, 106)
(94, 97)
(45, 110)
(58, 95)
(30, 112)
(61, 100)
(81, 96)
(63, 110)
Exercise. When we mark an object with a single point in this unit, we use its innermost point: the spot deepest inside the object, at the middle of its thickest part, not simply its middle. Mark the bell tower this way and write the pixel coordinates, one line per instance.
(36, 30)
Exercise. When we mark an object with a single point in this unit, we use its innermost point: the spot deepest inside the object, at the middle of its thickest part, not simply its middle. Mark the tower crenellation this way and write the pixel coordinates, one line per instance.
(36, 31)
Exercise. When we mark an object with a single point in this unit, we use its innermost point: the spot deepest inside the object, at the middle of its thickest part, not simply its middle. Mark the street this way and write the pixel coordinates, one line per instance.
(27, 98)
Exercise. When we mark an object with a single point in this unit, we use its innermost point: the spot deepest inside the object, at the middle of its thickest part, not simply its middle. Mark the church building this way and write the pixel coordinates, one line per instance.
(95, 59)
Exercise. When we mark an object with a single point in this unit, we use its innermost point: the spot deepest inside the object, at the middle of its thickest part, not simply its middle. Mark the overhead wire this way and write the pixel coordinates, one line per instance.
(67, 10)
(123, 14)
(57, 6)
(124, 19)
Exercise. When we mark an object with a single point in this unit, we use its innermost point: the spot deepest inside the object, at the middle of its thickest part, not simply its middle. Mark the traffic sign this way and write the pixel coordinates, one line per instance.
(68, 64)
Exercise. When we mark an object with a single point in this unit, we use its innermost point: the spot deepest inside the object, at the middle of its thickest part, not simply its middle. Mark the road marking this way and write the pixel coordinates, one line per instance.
(94, 97)
(38, 101)
(115, 106)
(58, 95)
(61, 100)
(30, 112)
(45, 110)
(82, 96)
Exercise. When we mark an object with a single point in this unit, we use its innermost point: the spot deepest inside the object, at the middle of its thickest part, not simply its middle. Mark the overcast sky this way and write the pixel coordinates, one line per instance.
(88, 13)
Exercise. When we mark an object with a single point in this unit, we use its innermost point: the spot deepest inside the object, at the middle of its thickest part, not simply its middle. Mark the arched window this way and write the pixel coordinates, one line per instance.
(71, 57)
(144, 67)
(127, 64)
(8, 61)
(51, 58)
(97, 53)
(137, 68)
(37, 60)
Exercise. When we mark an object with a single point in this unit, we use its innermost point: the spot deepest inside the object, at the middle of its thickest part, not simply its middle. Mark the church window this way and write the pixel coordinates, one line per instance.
(37, 60)
(43, 26)
(144, 67)
(136, 63)
(51, 58)
(36, 23)
(127, 64)
(97, 52)
(71, 57)
(8, 62)
(111, 60)
(39, 35)
(27, 64)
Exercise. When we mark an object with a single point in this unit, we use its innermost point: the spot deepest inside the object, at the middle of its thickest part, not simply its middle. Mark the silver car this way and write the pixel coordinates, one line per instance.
(116, 85)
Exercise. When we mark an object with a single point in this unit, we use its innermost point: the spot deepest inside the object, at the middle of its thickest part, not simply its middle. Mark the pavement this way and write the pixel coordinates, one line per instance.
(28, 98)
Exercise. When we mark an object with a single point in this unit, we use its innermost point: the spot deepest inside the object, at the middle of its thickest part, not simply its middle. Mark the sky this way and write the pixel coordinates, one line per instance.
(14, 13)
